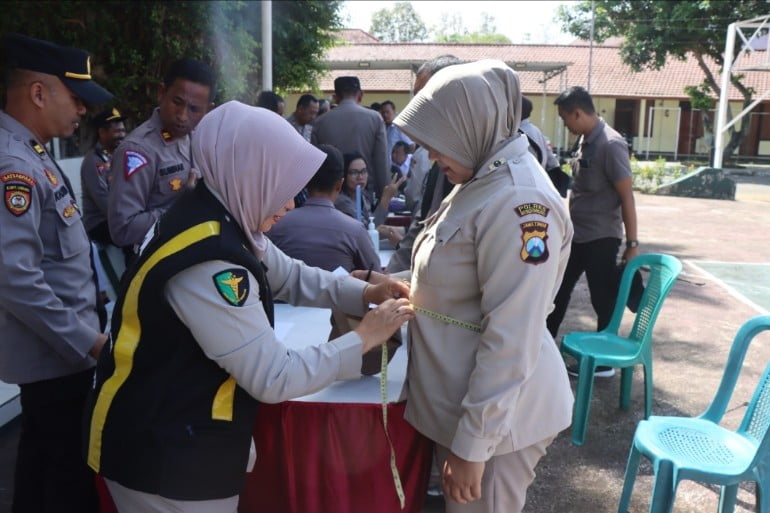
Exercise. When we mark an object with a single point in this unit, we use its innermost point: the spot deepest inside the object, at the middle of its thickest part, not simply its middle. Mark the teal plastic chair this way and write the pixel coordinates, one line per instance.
(698, 449)
(607, 347)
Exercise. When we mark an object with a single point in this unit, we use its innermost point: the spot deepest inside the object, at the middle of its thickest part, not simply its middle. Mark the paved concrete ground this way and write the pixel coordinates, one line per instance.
(692, 338)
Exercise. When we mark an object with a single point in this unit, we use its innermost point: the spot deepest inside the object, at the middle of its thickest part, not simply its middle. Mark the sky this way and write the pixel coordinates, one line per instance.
(522, 21)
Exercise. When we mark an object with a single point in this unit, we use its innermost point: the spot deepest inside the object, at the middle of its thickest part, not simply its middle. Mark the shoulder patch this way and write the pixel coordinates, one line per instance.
(532, 208)
(17, 192)
(133, 161)
(232, 285)
(534, 237)
(15, 176)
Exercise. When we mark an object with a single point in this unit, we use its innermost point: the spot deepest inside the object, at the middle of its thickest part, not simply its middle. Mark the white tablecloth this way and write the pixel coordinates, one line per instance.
(299, 326)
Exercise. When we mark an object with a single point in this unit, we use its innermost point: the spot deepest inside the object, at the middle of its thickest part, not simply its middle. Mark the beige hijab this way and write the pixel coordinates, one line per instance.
(465, 111)
(254, 162)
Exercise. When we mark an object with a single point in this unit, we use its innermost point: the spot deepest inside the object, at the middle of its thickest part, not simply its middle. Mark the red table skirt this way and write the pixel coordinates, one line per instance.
(334, 458)
(330, 458)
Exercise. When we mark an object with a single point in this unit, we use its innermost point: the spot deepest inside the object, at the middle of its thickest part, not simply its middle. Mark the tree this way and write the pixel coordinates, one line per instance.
(133, 42)
(452, 30)
(399, 24)
(655, 30)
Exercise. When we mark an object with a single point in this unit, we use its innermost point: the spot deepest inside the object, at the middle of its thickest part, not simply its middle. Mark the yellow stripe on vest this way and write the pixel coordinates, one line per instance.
(222, 408)
(131, 331)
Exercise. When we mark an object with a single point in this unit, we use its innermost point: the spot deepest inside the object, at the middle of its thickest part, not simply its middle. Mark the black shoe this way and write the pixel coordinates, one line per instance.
(601, 371)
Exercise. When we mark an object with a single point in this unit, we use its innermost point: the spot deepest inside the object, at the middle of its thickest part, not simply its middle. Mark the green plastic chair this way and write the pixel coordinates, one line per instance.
(606, 347)
(698, 449)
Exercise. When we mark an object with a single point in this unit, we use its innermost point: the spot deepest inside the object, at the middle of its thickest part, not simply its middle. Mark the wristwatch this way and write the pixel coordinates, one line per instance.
(632, 244)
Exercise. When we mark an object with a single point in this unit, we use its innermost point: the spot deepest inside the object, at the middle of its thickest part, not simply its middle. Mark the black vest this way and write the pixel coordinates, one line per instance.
(165, 419)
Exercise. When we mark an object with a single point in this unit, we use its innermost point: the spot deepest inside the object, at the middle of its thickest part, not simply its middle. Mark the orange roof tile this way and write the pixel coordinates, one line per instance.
(610, 77)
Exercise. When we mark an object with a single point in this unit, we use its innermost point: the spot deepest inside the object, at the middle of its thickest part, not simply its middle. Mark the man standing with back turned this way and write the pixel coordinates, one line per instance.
(351, 128)
(152, 166)
(48, 319)
(601, 204)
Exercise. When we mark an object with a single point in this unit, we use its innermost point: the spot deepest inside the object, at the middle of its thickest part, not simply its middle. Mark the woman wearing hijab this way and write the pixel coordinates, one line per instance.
(485, 381)
(193, 350)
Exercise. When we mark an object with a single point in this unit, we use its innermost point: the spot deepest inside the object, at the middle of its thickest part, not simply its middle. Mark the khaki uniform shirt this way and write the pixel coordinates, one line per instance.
(241, 341)
(493, 255)
(149, 170)
(48, 319)
(95, 184)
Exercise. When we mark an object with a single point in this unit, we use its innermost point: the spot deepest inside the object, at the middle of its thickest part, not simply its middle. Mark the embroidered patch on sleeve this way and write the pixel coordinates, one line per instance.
(18, 192)
(534, 248)
(18, 198)
(532, 208)
(232, 285)
(133, 161)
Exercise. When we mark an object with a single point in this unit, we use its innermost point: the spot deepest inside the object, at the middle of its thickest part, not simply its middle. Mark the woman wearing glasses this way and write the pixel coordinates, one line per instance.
(357, 174)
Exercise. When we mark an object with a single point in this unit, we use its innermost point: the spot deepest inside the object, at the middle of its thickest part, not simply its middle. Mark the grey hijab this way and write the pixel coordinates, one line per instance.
(465, 111)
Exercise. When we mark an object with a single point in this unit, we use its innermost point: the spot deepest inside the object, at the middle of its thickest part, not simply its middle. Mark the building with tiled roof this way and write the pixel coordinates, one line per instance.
(638, 104)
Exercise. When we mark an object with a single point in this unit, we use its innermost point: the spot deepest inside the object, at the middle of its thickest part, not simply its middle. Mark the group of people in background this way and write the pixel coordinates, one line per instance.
(202, 199)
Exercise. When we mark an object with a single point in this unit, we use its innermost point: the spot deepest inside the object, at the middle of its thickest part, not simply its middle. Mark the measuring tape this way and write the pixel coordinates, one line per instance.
(448, 320)
(384, 390)
(384, 397)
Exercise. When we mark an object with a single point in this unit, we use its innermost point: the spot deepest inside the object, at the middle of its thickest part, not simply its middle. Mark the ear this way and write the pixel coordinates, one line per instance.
(38, 94)
(338, 185)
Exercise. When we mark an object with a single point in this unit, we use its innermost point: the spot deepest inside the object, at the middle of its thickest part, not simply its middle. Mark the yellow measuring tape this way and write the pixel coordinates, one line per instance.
(384, 397)
(448, 320)
(384, 391)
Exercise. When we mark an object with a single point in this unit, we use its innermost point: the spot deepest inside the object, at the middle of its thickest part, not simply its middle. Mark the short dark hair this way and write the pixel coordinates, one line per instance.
(388, 102)
(305, 100)
(526, 107)
(192, 70)
(269, 100)
(400, 144)
(375, 106)
(437, 63)
(574, 98)
(350, 157)
(330, 172)
(346, 86)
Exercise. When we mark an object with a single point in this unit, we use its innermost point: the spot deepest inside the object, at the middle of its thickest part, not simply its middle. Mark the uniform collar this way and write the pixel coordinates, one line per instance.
(157, 125)
(320, 202)
(595, 131)
(510, 149)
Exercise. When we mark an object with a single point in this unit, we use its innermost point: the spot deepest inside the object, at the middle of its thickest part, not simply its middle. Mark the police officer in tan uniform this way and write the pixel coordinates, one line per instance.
(95, 173)
(48, 319)
(152, 166)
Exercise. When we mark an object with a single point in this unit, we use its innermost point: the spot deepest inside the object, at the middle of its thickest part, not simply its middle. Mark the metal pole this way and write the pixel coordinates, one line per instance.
(724, 96)
(649, 133)
(591, 46)
(678, 122)
(267, 45)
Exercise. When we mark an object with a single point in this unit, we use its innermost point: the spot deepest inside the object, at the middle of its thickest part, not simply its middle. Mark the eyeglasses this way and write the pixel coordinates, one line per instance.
(358, 172)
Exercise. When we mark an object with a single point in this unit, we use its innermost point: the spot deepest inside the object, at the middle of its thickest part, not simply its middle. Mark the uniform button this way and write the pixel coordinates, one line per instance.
(516, 161)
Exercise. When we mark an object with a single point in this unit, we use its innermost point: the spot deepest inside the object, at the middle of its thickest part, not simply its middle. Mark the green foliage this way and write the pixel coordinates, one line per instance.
(399, 24)
(134, 42)
(647, 176)
(474, 37)
(654, 30)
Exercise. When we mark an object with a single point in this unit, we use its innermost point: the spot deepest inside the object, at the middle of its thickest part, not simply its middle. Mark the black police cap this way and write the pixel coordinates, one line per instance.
(106, 117)
(71, 65)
